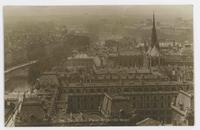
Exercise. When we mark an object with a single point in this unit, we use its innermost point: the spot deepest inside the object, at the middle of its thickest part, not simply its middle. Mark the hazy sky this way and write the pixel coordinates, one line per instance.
(170, 11)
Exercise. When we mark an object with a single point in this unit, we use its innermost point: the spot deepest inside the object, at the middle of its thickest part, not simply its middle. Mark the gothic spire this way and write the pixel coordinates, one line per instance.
(154, 40)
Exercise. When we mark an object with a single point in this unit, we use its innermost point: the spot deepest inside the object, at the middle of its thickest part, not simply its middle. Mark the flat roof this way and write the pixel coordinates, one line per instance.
(115, 96)
(134, 83)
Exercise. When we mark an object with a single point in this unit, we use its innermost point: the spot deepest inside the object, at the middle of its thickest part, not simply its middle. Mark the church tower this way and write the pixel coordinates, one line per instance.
(154, 40)
(153, 52)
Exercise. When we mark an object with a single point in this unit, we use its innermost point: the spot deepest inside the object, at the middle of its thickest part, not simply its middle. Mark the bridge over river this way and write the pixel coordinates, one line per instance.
(16, 77)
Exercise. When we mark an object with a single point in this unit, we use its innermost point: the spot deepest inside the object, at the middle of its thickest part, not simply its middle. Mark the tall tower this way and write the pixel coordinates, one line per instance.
(154, 40)
(154, 49)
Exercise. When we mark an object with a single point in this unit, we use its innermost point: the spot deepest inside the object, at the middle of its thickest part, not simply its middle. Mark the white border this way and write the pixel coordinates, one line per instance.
(196, 27)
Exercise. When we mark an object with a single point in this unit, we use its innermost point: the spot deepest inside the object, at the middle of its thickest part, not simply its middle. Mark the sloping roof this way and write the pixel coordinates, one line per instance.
(184, 99)
(116, 96)
(149, 51)
(154, 52)
(148, 122)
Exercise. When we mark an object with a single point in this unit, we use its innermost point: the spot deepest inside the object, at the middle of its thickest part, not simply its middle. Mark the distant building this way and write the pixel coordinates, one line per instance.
(183, 58)
(187, 50)
(82, 60)
(126, 60)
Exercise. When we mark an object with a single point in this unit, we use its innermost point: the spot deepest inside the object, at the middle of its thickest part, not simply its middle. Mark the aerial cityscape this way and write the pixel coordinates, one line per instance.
(127, 65)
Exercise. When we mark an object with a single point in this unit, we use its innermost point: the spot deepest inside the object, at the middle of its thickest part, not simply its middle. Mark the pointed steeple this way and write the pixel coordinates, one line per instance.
(154, 40)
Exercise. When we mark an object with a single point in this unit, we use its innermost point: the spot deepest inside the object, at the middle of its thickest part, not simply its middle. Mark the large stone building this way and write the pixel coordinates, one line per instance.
(183, 109)
(126, 88)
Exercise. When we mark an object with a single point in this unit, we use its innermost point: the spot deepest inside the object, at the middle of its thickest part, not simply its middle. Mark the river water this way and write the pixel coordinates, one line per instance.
(18, 82)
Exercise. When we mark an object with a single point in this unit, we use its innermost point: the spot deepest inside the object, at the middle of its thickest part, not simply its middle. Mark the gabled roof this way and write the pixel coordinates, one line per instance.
(154, 52)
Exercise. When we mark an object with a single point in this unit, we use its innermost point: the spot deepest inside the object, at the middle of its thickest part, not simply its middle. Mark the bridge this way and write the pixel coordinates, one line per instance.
(20, 66)
(18, 70)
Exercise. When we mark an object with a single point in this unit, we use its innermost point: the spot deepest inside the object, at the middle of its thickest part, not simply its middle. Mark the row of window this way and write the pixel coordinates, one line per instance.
(152, 97)
(129, 89)
(116, 76)
(141, 104)
(81, 103)
(149, 101)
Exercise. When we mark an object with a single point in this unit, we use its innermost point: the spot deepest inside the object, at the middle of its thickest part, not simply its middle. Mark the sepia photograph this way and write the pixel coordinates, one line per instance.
(98, 65)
